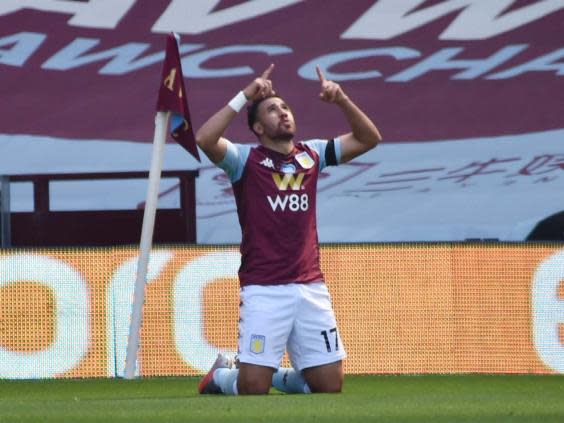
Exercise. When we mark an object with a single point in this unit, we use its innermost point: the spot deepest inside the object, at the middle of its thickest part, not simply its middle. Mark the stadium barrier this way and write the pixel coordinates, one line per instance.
(52, 208)
(401, 308)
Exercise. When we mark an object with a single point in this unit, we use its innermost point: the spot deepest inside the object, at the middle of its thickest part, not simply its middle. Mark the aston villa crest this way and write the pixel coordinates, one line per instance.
(257, 344)
(305, 160)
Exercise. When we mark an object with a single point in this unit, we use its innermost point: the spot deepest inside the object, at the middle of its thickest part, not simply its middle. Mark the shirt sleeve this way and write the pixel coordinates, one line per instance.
(234, 161)
(320, 146)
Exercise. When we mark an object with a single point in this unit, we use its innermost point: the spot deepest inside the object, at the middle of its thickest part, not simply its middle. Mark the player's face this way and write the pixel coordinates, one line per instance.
(276, 120)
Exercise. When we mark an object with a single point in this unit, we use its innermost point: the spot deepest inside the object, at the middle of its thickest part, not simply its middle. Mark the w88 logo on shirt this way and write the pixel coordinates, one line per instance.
(293, 202)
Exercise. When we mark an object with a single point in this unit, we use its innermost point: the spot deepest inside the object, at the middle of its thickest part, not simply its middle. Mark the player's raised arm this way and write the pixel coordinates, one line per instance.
(209, 136)
(364, 135)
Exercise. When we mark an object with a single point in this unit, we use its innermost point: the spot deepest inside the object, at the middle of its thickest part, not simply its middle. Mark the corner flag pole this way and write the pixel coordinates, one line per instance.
(171, 105)
(161, 123)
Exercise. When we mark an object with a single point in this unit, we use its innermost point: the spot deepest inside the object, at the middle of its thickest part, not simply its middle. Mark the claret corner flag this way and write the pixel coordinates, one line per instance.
(171, 102)
(172, 97)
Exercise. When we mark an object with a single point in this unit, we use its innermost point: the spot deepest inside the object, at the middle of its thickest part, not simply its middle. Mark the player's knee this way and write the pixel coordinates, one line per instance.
(253, 382)
(253, 387)
(327, 382)
(334, 386)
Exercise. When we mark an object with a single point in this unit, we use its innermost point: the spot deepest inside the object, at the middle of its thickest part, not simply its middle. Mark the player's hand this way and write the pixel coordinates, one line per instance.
(261, 87)
(331, 92)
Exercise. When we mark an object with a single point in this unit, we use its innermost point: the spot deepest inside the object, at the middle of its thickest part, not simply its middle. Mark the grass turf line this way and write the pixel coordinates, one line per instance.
(444, 398)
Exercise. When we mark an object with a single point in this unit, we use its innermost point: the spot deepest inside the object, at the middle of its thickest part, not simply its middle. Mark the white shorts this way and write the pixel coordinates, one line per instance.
(298, 317)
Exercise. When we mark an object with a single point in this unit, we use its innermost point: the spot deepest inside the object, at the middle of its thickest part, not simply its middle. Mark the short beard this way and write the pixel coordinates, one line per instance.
(280, 134)
(283, 137)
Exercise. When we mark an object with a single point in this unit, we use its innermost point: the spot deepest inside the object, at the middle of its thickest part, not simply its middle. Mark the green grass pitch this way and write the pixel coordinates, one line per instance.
(444, 398)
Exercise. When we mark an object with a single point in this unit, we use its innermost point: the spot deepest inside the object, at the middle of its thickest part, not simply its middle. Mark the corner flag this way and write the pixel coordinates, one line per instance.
(170, 104)
(172, 97)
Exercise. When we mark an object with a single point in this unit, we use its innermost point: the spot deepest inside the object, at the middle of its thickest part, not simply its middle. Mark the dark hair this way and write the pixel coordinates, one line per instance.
(252, 111)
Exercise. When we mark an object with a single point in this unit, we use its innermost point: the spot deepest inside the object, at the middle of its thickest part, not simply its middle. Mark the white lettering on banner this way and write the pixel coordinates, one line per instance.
(191, 65)
(384, 20)
(477, 20)
(24, 44)
(119, 302)
(198, 16)
(548, 311)
(189, 321)
(474, 68)
(540, 64)
(123, 58)
(72, 317)
(308, 71)
(127, 58)
(90, 14)
(441, 61)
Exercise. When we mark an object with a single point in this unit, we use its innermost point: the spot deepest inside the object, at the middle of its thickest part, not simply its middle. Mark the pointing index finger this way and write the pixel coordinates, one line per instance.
(267, 72)
(320, 74)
